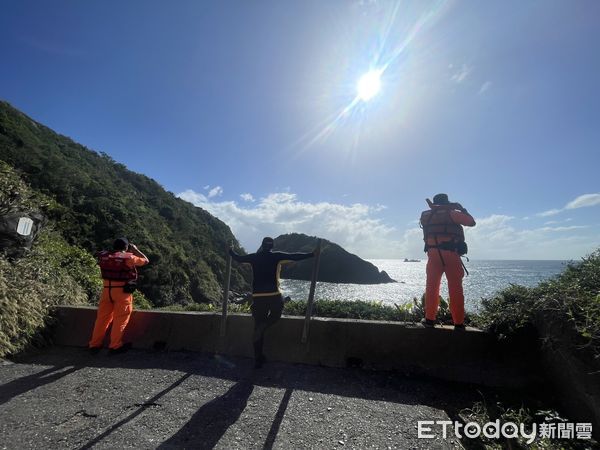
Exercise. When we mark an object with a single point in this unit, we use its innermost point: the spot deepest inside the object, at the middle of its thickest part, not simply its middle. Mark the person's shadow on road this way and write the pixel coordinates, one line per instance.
(208, 425)
(27, 383)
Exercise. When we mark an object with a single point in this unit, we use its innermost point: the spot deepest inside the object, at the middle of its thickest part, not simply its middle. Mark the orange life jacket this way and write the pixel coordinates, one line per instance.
(440, 231)
(113, 266)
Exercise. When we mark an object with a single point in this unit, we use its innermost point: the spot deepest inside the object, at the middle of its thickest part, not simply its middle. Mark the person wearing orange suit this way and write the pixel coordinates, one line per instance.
(444, 240)
(119, 275)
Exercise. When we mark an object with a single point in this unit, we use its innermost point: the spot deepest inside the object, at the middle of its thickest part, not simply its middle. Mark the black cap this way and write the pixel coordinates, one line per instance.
(440, 199)
(121, 243)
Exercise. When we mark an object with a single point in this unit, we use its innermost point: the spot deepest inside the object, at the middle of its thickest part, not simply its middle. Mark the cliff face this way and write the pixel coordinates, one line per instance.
(336, 266)
(95, 199)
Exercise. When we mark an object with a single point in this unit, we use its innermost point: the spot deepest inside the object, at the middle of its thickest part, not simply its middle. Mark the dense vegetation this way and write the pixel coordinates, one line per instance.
(566, 308)
(407, 312)
(336, 265)
(412, 311)
(93, 199)
(521, 408)
(54, 272)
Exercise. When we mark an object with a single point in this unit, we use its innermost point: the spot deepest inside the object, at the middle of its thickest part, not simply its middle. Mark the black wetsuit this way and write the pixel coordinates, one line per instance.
(267, 304)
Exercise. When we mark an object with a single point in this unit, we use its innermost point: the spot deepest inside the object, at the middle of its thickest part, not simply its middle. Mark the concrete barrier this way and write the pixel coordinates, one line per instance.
(468, 356)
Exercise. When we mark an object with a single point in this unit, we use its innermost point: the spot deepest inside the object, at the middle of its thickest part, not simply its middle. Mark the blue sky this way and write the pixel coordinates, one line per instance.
(250, 110)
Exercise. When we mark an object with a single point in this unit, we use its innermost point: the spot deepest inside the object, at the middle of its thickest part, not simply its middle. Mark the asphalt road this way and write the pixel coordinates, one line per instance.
(66, 398)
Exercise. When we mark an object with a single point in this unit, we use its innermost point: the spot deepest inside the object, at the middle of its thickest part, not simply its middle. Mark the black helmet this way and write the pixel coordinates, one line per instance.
(440, 199)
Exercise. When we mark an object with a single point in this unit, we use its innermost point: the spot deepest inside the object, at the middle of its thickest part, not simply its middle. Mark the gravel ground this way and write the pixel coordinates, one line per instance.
(66, 398)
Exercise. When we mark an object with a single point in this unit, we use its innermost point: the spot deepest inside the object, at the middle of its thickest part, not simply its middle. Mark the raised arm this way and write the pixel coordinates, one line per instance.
(240, 258)
(295, 256)
(141, 259)
(462, 216)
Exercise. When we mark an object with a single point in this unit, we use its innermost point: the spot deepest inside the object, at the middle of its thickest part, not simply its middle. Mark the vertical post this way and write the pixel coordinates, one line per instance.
(311, 294)
(226, 296)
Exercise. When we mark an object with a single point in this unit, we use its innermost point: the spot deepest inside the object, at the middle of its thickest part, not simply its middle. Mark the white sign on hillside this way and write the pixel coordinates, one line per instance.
(24, 226)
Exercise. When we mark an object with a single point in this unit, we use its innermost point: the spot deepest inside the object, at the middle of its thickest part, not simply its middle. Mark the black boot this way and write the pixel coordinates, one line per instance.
(428, 323)
(122, 349)
(259, 361)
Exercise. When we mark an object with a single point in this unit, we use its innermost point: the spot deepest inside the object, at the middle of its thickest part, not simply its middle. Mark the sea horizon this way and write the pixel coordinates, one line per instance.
(486, 277)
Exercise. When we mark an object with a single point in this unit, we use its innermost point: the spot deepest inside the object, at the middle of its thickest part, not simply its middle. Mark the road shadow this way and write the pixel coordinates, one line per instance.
(278, 419)
(134, 414)
(212, 420)
(344, 382)
(208, 425)
(29, 382)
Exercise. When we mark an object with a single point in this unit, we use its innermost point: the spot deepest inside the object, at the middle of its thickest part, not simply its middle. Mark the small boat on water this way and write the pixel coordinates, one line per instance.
(411, 260)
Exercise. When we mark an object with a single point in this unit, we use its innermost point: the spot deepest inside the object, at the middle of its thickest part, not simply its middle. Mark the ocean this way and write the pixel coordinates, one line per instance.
(484, 279)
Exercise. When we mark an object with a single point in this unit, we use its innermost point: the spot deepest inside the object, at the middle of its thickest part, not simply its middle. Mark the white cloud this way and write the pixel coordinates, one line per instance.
(193, 197)
(355, 226)
(215, 192)
(553, 222)
(461, 74)
(359, 229)
(550, 212)
(583, 201)
(569, 228)
(247, 197)
(484, 87)
(411, 244)
(496, 237)
(207, 187)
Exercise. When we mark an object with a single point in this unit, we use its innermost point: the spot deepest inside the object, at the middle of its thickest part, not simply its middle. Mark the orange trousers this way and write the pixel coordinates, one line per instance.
(116, 307)
(453, 269)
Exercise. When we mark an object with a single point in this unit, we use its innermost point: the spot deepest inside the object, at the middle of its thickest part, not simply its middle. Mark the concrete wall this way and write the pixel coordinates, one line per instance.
(470, 355)
(574, 376)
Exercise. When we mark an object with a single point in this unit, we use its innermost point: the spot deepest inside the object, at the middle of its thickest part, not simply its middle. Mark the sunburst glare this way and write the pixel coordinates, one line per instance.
(369, 85)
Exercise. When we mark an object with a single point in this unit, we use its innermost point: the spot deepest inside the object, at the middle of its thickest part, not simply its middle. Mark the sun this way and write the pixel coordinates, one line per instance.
(369, 85)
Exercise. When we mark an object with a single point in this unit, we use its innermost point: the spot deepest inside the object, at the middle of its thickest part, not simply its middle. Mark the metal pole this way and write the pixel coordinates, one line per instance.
(226, 296)
(311, 294)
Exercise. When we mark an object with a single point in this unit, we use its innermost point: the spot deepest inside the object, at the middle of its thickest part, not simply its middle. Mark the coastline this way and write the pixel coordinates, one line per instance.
(486, 277)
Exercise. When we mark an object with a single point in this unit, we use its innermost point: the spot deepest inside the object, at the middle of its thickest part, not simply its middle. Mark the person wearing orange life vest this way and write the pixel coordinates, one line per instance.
(119, 274)
(444, 244)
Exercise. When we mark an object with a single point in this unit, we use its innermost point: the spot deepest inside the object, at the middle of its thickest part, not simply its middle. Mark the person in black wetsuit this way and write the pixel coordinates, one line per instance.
(267, 304)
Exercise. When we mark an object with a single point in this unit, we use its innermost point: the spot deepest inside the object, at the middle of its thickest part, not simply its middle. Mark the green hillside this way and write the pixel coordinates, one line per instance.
(52, 273)
(336, 264)
(95, 199)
